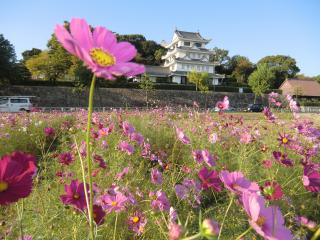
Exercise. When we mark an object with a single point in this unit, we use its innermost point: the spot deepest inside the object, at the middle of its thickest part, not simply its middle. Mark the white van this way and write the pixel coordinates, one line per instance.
(15, 103)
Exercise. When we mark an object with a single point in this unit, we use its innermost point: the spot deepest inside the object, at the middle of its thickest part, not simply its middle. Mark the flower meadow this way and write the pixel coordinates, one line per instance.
(158, 173)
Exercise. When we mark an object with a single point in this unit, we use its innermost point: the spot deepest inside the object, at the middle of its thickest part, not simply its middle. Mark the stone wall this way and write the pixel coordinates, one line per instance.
(122, 97)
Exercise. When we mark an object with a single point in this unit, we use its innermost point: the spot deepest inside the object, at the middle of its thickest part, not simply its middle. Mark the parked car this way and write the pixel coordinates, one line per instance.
(15, 103)
(230, 109)
(255, 107)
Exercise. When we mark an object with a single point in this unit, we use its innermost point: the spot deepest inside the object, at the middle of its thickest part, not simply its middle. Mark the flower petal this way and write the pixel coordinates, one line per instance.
(103, 38)
(81, 33)
(65, 39)
(124, 51)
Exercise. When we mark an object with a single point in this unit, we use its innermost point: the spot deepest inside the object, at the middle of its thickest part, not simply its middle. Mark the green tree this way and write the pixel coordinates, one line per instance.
(282, 66)
(241, 68)
(261, 79)
(221, 56)
(39, 65)
(198, 78)
(317, 78)
(7, 61)
(30, 53)
(147, 85)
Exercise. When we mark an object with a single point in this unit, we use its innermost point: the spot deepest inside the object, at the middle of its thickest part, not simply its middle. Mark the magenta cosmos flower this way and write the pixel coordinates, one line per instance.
(137, 222)
(210, 179)
(223, 105)
(16, 172)
(75, 195)
(237, 183)
(48, 131)
(272, 190)
(98, 214)
(65, 158)
(99, 50)
(159, 201)
(282, 158)
(156, 176)
(126, 147)
(311, 178)
(266, 221)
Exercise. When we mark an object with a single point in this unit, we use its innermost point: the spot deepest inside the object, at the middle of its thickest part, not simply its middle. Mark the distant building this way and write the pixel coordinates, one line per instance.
(186, 52)
(302, 88)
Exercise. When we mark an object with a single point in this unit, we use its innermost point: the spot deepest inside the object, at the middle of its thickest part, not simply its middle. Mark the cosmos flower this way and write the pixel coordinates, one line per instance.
(237, 183)
(127, 128)
(137, 222)
(311, 178)
(159, 201)
(75, 195)
(268, 222)
(156, 176)
(282, 158)
(137, 137)
(209, 228)
(223, 105)
(99, 50)
(115, 202)
(189, 190)
(65, 158)
(49, 131)
(210, 179)
(208, 158)
(123, 173)
(98, 214)
(126, 147)
(284, 139)
(301, 220)
(268, 114)
(175, 231)
(182, 137)
(16, 172)
(197, 155)
(99, 159)
(272, 190)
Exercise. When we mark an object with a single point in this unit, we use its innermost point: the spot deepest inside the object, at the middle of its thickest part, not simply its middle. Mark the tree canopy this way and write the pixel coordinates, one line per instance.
(7, 60)
(261, 79)
(282, 66)
(200, 79)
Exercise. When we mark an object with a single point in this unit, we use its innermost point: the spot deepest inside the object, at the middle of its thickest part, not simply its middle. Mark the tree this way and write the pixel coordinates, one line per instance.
(220, 56)
(261, 79)
(198, 78)
(39, 65)
(241, 68)
(147, 85)
(317, 78)
(7, 61)
(282, 66)
(30, 53)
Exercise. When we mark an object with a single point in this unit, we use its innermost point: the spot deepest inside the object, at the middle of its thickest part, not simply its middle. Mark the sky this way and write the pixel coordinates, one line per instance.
(252, 28)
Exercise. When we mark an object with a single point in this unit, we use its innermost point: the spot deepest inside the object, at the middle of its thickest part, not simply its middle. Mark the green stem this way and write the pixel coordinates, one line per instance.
(316, 235)
(115, 227)
(225, 215)
(244, 233)
(192, 237)
(20, 215)
(89, 160)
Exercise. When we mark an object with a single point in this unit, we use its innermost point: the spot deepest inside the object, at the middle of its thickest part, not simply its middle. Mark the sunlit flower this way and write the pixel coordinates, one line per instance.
(175, 231)
(156, 176)
(210, 179)
(266, 221)
(284, 139)
(223, 105)
(182, 137)
(111, 203)
(137, 222)
(160, 201)
(99, 50)
(237, 183)
(209, 228)
(272, 190)
(126, 147)
(16, 172)
(311, 178)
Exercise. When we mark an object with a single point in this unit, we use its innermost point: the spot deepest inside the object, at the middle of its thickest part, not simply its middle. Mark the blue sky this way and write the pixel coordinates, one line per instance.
(253, 28)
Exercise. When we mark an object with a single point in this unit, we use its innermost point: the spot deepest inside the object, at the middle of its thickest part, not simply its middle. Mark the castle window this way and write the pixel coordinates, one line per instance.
(198, 45)
(186, 43)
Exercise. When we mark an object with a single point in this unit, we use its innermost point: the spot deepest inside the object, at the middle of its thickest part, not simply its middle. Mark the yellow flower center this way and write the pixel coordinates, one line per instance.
(260, 221)
(102, 58)
(285, 140)
(76, 196)
(135, 219)
(114, 203)
(3, 186)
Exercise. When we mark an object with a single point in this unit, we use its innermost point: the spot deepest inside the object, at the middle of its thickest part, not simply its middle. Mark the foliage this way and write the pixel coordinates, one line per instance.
(261, 79)
(147, 85)
(7, 61)
(221, 56)
(282, 66)
(200, 79)
(30, 53)
(241, 68)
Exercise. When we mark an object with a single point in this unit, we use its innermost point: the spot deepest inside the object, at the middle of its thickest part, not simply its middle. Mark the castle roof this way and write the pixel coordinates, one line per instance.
(190, 35)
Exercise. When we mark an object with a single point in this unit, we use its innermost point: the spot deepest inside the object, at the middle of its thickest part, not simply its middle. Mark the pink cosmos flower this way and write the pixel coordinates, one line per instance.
(237, 183)
(172, 215)
(311, 178)
(160, 201)
(208, 158)
(99, 159)
(213, 138)
(272, 190)
(189, 190)
(210, 179)
(223, 105)
(49, 131)
(75, 195)
(16, 172)
(282, 158)
(306, 222)
(123, 173)
(197, 155)
(65, 158)
(284, 139)
(245, 138)
(182, 137)
(137, 137)
(114, 203)
(266, 221)
(268, 114)
(127, 128)
(137, 222)
(126, 147)
(210, 228)
(175, 231)
(156, 176)
(99, 50)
